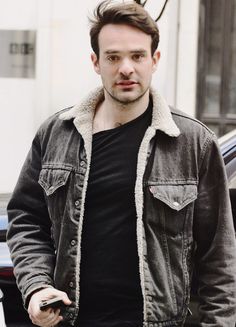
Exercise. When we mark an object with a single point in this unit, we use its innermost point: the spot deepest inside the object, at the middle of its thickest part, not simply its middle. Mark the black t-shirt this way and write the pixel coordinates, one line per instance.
(110, 291)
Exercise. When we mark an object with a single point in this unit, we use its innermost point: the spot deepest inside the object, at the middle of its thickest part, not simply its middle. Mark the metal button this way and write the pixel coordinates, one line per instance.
(150, 298)
(77, 203)
(176, 204)
(71, 284)
(73, 242)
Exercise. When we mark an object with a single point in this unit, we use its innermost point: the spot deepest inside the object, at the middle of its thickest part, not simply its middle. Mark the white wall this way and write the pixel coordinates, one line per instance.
(187, 56)
(72, 73)
(17, 98)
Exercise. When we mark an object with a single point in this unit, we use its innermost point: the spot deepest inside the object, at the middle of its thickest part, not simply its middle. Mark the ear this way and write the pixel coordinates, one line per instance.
(156, 57)
(95, 62)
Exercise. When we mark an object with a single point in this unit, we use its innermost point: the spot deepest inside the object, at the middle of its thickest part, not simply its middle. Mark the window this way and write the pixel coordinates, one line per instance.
(216, 94)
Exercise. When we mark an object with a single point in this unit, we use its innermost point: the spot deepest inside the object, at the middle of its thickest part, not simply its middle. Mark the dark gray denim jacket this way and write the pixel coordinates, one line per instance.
(183, 215)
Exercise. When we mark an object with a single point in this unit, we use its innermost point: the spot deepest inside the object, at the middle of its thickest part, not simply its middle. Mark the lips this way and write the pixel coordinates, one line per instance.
(126, 83)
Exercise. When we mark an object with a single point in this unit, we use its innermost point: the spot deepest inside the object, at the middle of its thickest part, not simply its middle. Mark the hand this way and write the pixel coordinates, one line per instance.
(49, 317)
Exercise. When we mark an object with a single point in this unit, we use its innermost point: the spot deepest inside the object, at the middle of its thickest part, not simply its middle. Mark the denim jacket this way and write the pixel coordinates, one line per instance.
(183, 215)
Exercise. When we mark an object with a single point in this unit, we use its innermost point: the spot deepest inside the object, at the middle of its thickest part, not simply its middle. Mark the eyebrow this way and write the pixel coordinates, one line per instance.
(133, 51)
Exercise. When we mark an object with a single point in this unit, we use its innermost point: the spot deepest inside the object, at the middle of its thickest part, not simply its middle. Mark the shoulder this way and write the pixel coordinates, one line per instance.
(54, 123)
(53, 120)
(186, 122)
(193, 133)
(53, 130)
(191, 126)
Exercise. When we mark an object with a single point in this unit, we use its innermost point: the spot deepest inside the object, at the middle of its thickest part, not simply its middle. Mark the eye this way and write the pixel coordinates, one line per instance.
(138, 56)
(113, 58)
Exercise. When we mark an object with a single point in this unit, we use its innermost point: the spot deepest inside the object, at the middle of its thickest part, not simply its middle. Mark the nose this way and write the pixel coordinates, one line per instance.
(126, 67)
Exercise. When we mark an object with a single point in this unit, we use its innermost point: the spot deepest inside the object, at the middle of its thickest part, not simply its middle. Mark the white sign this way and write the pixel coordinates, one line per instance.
(17, 53)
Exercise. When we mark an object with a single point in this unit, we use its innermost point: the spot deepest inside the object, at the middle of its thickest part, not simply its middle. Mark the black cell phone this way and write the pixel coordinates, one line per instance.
(54, 303)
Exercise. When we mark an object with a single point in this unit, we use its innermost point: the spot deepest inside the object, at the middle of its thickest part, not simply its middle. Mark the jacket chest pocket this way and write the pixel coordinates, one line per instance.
(54, 182)
(171, 207)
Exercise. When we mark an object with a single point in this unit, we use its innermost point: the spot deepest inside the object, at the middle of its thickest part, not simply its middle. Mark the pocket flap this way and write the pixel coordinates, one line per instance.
(175, 196)
(51, 179)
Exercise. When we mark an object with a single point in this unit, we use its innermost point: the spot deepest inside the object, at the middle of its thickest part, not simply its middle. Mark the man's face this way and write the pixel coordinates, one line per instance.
(125, 62)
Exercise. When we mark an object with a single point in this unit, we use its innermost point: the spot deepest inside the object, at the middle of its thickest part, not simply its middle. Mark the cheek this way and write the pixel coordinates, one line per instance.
(108, 72)
(147, 72)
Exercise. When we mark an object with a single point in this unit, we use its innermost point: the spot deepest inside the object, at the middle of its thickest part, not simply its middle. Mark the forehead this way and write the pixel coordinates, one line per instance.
(122, 37)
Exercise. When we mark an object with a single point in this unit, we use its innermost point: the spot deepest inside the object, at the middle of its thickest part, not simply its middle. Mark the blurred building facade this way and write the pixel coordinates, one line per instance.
(216, 86)
(46, 65)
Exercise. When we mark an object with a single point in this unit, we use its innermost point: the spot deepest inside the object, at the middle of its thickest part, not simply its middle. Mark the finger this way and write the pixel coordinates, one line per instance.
(43, 318)
(52, 320)
(52, 292)
(64, 297)
(55, 321)
(48, 318)
(39, 316)
(33, 320)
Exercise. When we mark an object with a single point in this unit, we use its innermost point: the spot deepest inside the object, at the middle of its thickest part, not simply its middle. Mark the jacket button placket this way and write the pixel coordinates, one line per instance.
(79, 182)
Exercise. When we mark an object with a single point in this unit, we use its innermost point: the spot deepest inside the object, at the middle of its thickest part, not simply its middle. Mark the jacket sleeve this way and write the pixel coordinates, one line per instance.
(28, 235)
(215, 261)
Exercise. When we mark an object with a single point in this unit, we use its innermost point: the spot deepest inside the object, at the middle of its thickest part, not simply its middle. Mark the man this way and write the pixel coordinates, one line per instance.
(120, 196)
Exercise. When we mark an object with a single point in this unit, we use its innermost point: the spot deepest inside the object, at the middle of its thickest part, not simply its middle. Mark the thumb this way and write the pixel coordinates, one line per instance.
(66, 299)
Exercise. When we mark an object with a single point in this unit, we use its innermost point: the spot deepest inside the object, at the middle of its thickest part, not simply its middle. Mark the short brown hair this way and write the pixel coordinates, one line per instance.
(129, 13)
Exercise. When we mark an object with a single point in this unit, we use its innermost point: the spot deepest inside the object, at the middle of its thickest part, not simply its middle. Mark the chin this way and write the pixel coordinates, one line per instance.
(128, 100)
(125, 96)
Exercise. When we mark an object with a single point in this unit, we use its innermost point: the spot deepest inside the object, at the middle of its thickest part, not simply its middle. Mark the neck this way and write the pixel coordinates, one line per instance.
(110, 113)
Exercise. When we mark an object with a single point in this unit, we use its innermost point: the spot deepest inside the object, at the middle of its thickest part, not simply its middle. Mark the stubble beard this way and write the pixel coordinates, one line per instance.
(126, 102)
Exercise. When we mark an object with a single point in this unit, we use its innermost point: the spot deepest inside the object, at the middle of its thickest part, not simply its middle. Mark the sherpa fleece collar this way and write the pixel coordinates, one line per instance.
(83, 113)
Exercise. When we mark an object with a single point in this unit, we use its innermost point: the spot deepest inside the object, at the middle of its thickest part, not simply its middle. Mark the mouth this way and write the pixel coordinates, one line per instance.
(126, 83)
